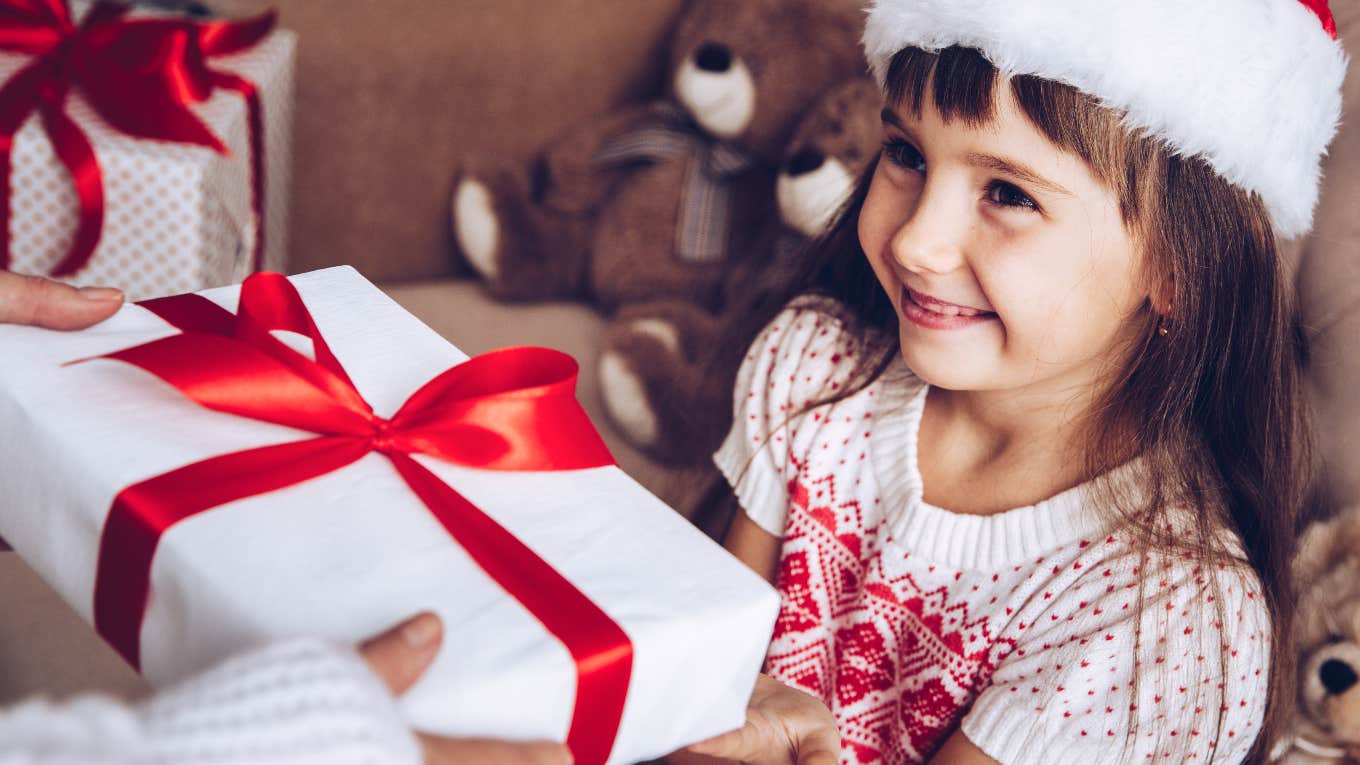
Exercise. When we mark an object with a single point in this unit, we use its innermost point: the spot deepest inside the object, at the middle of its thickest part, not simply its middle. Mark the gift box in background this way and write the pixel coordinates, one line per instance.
(176, 216)
(352, 550)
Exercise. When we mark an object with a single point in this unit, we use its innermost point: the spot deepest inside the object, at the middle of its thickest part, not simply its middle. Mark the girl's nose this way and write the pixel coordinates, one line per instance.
(930, 240)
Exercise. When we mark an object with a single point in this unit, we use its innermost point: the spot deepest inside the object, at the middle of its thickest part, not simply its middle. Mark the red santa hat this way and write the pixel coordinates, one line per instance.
(1251, 86)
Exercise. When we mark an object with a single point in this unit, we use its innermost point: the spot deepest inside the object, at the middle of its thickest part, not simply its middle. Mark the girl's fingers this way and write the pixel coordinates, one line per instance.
(740, 744)
(822, 747)
(452, 751)
(400, 655)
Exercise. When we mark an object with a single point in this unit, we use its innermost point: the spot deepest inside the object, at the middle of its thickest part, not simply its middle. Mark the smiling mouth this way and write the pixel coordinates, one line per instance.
(941, 308)
(937, 315)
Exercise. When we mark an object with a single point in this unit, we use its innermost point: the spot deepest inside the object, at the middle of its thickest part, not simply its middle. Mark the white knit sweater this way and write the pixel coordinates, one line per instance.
(1022, 628)
(303, 702)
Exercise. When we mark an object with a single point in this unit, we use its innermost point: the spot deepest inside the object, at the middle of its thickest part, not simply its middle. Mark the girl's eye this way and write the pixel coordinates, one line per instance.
(1007, 195)
(904, 155)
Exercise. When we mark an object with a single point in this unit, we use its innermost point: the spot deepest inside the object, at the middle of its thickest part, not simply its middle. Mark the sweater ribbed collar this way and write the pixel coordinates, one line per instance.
(965, 541)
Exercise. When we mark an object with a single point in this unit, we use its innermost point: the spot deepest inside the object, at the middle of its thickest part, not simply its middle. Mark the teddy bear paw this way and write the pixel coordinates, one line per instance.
(476, 226)
(660, 330)
(625, 400)
(625, 392)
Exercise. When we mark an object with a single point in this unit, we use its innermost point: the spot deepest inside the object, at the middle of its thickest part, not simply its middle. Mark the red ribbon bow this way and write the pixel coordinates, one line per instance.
(141, 76)
(513, 409)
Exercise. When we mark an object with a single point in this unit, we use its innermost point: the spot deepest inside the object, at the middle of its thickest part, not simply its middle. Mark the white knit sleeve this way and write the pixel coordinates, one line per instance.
(804, 354)
(302, 702)
(1091, 680)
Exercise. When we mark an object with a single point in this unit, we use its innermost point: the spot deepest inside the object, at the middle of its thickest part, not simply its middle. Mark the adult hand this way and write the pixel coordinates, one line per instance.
(45, 303)
(784, 726)
(401, 655)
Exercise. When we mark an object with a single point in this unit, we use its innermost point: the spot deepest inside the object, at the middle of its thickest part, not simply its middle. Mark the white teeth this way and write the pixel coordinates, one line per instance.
(946, 309)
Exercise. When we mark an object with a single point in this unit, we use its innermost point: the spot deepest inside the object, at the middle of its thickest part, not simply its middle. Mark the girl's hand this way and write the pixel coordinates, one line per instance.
(400, 655)
(784, 726)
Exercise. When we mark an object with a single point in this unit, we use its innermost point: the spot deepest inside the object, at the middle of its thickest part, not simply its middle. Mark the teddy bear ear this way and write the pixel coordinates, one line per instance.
(1324, 541)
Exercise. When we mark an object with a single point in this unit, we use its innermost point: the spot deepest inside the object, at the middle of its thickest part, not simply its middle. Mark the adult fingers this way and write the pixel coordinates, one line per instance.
(45, 303)
(400, 655)
(453, 751)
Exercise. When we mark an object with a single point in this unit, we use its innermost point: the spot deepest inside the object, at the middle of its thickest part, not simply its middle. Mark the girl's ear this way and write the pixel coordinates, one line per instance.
(1162, 296)
(1161, 292)
(1157, 275)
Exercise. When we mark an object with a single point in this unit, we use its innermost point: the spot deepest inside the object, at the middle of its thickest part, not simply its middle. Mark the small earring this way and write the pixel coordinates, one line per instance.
(1161, 328)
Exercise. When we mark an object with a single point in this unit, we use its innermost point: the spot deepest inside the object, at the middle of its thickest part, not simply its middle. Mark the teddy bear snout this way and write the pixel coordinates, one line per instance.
(712, 57)
(718, 89)
(1330, 693)
(805, 161)
(1337, 676)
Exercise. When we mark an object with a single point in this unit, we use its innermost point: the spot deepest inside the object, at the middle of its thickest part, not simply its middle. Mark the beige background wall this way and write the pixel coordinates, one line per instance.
(390, 93)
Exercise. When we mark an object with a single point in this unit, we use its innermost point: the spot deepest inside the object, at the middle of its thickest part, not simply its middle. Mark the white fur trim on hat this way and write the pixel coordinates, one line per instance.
(1252, 86)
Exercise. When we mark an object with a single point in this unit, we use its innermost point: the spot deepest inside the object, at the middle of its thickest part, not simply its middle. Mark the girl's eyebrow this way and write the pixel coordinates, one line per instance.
(990, 161)
(1011, 167)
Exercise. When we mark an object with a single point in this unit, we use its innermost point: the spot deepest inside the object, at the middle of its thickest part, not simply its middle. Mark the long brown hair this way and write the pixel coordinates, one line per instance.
(1213, 407)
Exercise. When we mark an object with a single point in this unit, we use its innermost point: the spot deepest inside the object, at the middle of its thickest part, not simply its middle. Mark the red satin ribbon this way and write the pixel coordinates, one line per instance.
(141, 76)
(513, 409)
(1324, 13)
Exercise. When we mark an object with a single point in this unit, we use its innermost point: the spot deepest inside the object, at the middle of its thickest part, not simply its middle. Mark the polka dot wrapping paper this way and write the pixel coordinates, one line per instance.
(178, 218)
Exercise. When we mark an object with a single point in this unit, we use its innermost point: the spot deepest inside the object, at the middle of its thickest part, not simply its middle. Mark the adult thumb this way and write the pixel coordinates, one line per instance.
(401, 655)
(46, 303)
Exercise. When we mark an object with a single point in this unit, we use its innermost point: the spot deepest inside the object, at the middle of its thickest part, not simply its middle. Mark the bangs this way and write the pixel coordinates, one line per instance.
(963, 83)
(962, 86)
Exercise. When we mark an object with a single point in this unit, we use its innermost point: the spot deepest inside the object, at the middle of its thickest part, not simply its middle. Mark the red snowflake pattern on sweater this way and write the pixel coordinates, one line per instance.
(900, 667)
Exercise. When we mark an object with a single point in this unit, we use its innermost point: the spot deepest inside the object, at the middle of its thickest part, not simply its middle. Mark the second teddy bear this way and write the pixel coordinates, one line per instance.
(662, 385)
(1326, 725)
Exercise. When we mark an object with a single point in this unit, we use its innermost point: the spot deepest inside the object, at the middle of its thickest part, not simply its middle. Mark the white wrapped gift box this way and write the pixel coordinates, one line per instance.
(353, 552)
(177, 217)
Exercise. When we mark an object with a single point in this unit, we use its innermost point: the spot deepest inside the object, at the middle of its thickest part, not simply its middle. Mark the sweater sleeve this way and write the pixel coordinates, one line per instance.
(1094, 678)
(302, 702)
(804, 354)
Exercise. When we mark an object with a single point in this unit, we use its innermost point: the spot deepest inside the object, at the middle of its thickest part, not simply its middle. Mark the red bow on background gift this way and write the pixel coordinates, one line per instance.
(513, 409)
(141, 75)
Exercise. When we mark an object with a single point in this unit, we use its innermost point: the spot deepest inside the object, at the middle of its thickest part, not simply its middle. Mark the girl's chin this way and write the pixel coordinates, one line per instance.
(963, 370)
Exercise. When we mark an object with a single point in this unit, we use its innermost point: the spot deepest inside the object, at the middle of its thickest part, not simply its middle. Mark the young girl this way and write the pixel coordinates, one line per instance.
(1023, 452)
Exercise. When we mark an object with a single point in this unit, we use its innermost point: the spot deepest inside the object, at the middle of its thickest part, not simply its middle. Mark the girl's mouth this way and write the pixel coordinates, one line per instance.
(932, 313)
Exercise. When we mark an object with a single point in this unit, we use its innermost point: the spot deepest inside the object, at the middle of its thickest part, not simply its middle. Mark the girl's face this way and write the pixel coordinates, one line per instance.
(1007, 261)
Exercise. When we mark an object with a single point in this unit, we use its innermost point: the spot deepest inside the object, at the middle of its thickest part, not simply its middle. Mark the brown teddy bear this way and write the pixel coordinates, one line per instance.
(661, 386)
(1326, 726)
(658, 200)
